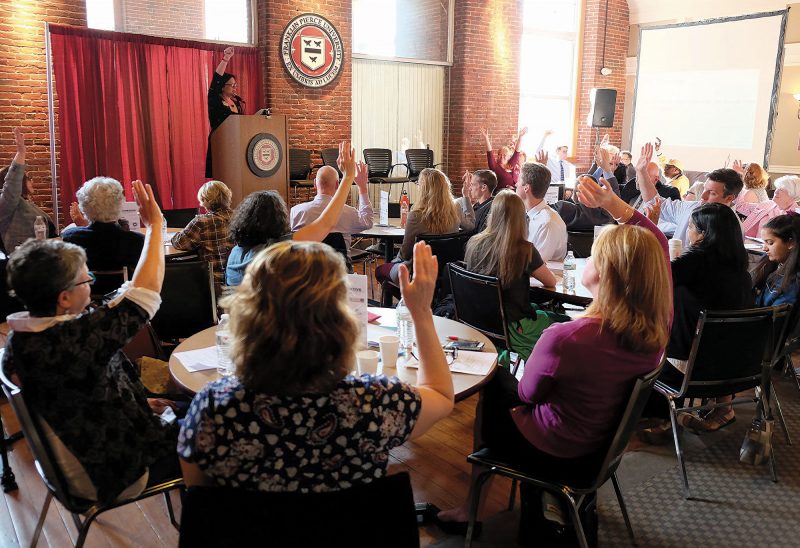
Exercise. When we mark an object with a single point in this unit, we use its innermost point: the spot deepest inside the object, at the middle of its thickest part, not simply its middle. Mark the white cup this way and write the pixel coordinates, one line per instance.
(675, 248)
(390, 345)
(367, 362)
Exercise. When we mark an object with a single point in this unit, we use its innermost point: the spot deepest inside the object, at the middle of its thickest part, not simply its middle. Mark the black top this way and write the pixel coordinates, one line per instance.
(482, 214)
(699, 283)
(630, 192)
(217, 110)
(108, 246)
(516, 296)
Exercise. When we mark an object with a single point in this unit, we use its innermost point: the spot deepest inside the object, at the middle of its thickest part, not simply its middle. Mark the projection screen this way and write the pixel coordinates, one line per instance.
(708, 89)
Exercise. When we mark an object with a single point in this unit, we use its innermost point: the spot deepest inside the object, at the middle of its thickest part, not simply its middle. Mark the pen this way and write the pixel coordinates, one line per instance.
(454, 338)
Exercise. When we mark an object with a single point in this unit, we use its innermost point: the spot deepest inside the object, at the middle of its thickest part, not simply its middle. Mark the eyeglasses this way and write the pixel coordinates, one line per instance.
(231, 85)
(450, 354)
(90, 281)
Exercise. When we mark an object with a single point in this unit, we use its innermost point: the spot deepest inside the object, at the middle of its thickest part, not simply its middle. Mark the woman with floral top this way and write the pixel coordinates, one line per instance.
(293, 418)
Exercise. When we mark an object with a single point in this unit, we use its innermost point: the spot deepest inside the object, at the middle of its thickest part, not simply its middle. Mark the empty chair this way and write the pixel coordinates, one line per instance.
(188, 302)
(418, 159)
(329, 157)
(379, 161)
(299, 171)
(107, 281)
(580, 243)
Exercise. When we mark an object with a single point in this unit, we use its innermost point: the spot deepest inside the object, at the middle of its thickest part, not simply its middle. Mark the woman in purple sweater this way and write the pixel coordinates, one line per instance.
(507, 165)
(562, 413)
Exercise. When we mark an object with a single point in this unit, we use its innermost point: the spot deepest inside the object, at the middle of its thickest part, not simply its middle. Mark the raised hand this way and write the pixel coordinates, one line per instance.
(605, 159)
(605, 140)
(658, 144)
(362, 178)
(653, 212)
(418, 294)
(522, 132)
(591, 194)
(19, 139)
(541, 157)
(485, 133)
(347, 160)
(738, 167)
(77, 215)
(466, 186)
(227, 54)
(644, 158)
(548, 132)
(148, 207)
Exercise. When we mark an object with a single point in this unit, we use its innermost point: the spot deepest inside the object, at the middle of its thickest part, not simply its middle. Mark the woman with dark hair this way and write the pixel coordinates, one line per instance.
(262, 219)
(222, 100)
(778, 281)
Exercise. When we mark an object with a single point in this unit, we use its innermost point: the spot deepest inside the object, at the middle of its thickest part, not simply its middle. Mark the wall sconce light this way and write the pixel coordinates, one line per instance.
(797, 98)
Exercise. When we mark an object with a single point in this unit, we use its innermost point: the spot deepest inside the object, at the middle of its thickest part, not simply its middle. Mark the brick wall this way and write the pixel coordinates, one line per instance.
(484, 81)
(23, 82)
(318, 118)
(592, 62)
(422, 29)
(168, 18)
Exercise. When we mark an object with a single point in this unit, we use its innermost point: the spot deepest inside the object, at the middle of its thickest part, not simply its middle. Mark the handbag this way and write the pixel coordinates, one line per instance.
(757, 444)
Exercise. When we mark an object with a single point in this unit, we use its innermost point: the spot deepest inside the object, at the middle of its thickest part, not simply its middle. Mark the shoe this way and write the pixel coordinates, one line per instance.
(458, 528)
(720, 418)
(660, 434)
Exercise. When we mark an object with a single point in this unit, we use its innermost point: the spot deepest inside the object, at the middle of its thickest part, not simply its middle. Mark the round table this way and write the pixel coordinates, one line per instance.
(170, 251)
(580, 297)
(388, 235)
(463, 384)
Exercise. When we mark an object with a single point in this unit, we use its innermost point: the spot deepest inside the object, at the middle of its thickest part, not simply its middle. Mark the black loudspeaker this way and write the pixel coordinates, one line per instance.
(604, 101)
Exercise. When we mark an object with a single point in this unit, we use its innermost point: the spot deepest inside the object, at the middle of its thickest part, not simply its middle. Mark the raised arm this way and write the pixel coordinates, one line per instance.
(316, 231)
(149, 272)
(15, 178)
(226, 56)
(547, 133)
(486, 139)
(518, 143)
(646, 186)
(434, 381)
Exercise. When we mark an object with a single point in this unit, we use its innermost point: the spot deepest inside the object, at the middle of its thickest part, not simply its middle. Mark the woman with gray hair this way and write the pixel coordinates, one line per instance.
(108, 246)
(787, 193)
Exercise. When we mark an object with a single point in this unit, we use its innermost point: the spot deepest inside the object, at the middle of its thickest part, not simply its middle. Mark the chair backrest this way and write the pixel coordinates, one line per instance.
(448, 248)
(730, 350)
(108, 281)
(188, 301)
(627, 424)
(580, 243)
(478, 301)
(299, 164)
(785, 331)
(379, 513)
(179, 218)
(40, 448)
(329, 157)
(337, 242)
(379, 161)
(418, 159)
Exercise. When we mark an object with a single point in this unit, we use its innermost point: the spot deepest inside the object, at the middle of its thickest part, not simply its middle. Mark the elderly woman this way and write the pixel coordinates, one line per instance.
(17, 212)
(208, 233)
(103, 431)
(293, 418)
(787, 193)
(108, 246)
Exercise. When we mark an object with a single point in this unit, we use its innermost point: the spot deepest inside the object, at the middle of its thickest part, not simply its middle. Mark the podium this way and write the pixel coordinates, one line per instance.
(250, 153)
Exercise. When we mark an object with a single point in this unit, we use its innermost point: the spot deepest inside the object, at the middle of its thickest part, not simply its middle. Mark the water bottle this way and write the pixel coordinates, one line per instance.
(569, 273)
(405, 327)
(224, 365)
(164, 230)
(403, 209)
(40, 228)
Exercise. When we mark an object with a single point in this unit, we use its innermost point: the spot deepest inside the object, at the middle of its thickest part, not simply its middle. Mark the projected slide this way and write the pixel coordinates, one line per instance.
(706, 89)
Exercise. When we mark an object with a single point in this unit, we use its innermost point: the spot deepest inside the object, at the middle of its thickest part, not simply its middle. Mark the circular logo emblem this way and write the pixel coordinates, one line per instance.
(264, 155)
(312, 50)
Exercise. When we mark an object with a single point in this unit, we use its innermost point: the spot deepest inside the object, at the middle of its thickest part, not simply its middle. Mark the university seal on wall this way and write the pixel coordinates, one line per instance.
(312, 50)
(264, 155)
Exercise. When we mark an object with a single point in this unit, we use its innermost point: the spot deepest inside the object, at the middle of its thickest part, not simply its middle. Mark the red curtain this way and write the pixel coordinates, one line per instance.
(134, 107)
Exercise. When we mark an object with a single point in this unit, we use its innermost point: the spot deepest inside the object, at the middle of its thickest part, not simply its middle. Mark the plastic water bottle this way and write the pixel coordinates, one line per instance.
(569, 273)
(403, 209)
(164, 234)
(405, 327)
(40, 228)
(224, 364)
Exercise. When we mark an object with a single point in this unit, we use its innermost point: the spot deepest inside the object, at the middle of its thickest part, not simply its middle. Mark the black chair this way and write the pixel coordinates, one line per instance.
(179, 218)
(573, 494)
(580, 243)
(478, 301)
(336, 241)
(418, 159)
(108, 281)
(379, 162)
(720, 364)
(379, 513)
(53, 477)
(299, 171)
(188, 301)
(329, 157)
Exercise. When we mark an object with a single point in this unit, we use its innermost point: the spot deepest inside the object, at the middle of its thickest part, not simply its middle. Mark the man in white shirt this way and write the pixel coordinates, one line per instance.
(351, 221)
(546, 230)
(560, 168)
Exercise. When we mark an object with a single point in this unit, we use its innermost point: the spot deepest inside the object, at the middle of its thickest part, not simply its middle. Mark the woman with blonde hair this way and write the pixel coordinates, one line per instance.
(507, 162)
(208, 232)
(293, 418)
(755, 180)
(502, 250)
(435, 212)
(561, 414)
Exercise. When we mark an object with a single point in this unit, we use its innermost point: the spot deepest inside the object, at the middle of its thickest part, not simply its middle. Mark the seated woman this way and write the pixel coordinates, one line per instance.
(209, 233)
(507, 162)
(103, 431)
(436, 211)
(17, 211)
(108, 246)
(560, 416)
(779, 282)
(262, 219)
(502, 250)
(755, 180)
(293, 418)
(710, 275)
(787, 193)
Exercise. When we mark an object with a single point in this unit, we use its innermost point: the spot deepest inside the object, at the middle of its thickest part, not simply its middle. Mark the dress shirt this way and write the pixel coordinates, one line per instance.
(547, 232)
(351, 221)
(675, 217)
(555, 165)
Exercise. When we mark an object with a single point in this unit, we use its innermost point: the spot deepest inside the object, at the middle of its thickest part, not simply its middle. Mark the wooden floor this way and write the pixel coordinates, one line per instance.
(436, 462)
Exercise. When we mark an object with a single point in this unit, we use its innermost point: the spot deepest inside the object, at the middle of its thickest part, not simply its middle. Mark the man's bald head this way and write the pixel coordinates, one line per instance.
(653, 172)
(327, 180)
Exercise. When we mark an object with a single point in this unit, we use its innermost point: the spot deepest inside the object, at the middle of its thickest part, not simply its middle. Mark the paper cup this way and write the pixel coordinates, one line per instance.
(675, 248)
(390, 345)
(367, 362)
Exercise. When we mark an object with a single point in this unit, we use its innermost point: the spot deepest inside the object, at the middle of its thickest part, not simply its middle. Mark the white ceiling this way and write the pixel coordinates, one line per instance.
(658, 11)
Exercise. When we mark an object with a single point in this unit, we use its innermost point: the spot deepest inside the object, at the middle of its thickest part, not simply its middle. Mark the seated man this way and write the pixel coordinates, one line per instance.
(626, 159)
(722, 186)
(546, 230)
(673, 170)
(481, 185)
(352, 220)
(630, 191)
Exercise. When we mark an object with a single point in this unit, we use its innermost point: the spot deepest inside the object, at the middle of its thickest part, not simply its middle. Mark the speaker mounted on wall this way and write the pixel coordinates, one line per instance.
(603, 104)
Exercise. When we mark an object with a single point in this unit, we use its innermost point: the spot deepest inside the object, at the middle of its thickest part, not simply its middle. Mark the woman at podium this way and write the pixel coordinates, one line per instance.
(222, 100)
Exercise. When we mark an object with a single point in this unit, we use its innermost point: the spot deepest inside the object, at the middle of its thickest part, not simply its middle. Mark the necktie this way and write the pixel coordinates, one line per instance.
(561, 163)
